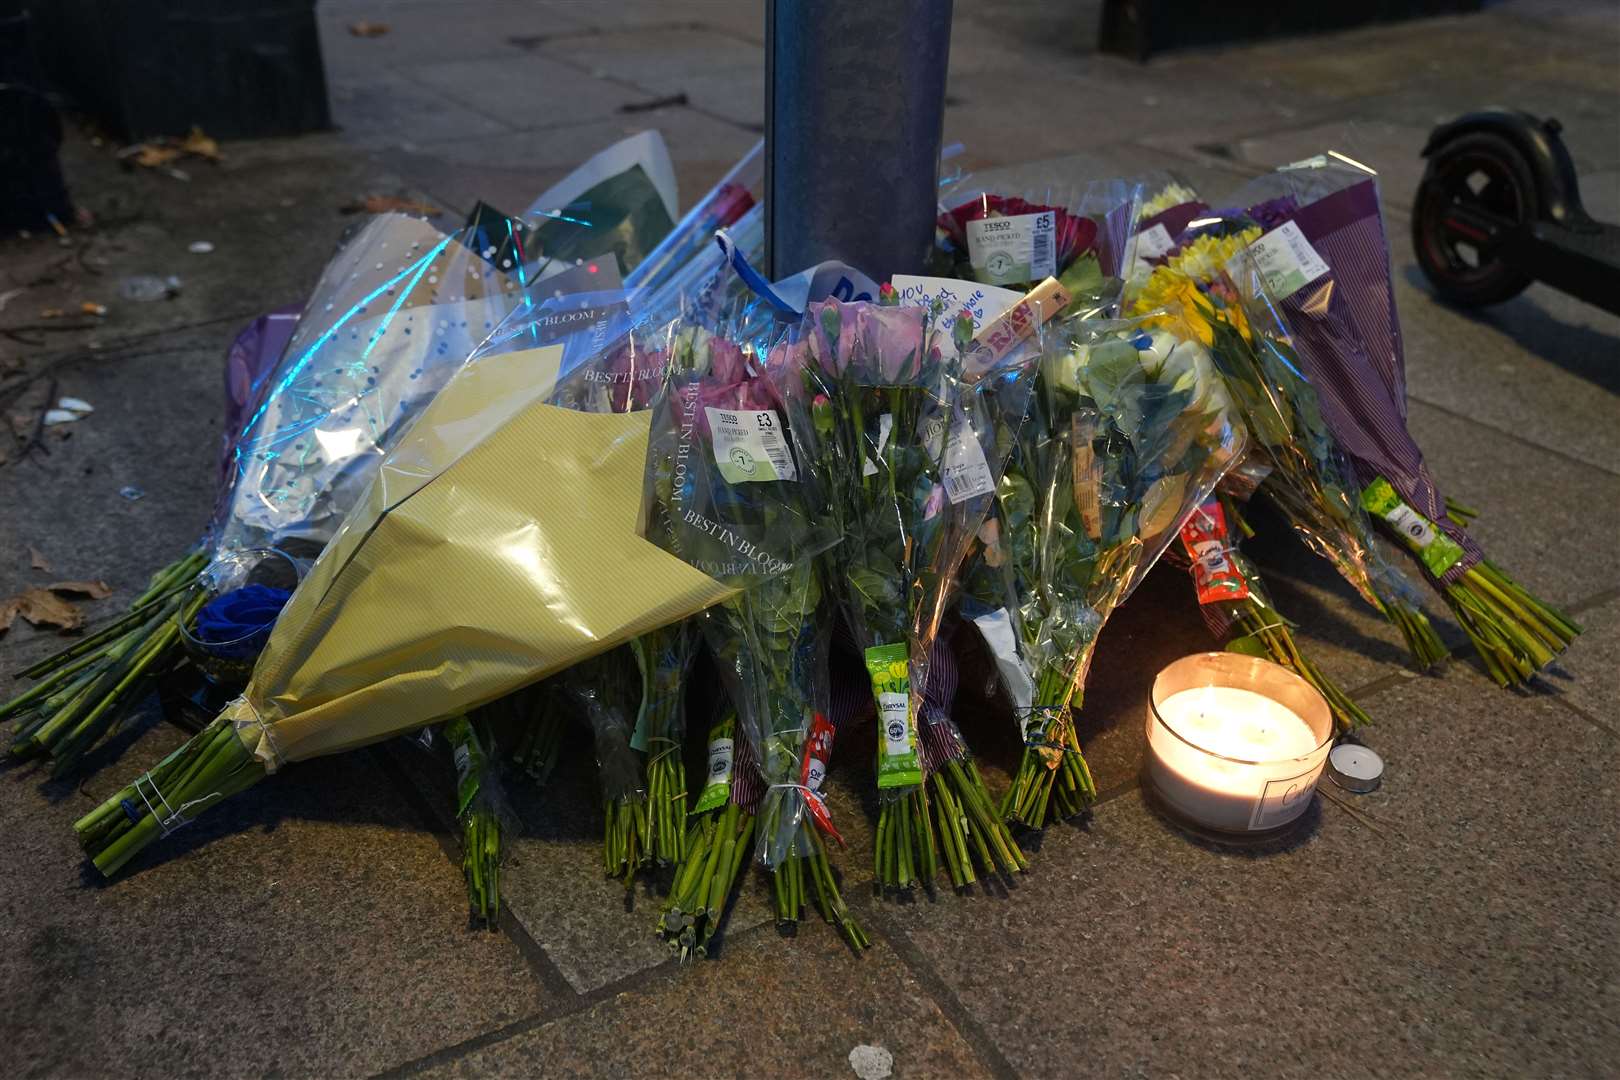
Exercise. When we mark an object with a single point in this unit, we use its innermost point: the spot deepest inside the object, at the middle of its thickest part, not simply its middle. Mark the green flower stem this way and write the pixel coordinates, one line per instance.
(906, 854)
(828, 899)
(716, 846)
(1262, 624)
(179, 572)
(24, 702)
(138, 615)
(964, 809)
(70, 728)
(624, 843)
(1514, 633)
(1063, 789)
(209, 768)
(481, 863)
(542, 741)
(1459, 512)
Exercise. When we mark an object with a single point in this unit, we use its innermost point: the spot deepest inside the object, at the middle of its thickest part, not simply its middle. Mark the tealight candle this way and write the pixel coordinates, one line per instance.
(1236, 743)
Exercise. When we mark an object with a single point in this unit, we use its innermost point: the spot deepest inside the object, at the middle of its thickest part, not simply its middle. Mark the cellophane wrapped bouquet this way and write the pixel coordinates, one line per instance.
(912, 449)
(1129, 431)
(1309, 478)
(1321, 252)
(1015, 234)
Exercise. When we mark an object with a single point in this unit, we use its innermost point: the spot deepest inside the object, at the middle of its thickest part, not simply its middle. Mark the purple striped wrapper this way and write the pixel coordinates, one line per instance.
(1348, 341)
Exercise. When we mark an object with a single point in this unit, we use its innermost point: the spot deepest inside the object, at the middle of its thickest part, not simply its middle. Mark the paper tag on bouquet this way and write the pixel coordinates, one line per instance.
(1284, 258)
(717, 782)
(1151, 244)
(890, 670)
(946, 298)
(750, 445)
(1013, 250)
(963, 468)
(1208, 542)
(1435, 549)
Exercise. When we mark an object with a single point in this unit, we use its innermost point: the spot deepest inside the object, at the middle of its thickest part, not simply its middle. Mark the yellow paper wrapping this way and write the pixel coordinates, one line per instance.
(498, 544)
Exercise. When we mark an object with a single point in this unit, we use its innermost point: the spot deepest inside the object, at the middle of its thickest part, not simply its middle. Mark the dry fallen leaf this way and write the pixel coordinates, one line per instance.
(40, 562)
(46, 607)
(389, 204)
(200, 145)
(368, 29)
(150, 157)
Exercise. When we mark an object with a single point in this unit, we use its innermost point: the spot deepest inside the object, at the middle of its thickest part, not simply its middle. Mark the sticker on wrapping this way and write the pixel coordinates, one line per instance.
(1154, 243)
(1280, 800)
(717, 782)
(468, 759)
(1209, 544)
(1437, 551)
(750, 445)
(898, 763)
(1284, 258)
(1013, 250)
(964, 469)
(885, 429)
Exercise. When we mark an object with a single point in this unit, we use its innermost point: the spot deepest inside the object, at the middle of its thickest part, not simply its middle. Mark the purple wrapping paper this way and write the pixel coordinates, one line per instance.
(248, 364)
(1348, 339)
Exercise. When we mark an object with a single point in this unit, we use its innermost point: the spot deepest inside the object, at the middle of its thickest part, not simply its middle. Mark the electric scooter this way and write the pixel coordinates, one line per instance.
(1499, 207)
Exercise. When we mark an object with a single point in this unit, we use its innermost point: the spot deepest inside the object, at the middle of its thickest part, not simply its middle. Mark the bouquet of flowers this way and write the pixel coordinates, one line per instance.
(1128, 434)
(1081, 236)
(909, 446)
(1309, 478)
(396, 313)
(1324, 259)
(395, 626)
(727, 451)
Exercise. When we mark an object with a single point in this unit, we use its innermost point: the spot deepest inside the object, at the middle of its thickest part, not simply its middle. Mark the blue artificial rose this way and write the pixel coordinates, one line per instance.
(238, 623)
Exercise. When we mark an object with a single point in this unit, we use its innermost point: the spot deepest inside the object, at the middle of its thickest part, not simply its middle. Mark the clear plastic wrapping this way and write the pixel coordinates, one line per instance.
(912, 449)
(730, 461)
(1131, 430)
(1310, 479)
(1018, 233)
(396, 313)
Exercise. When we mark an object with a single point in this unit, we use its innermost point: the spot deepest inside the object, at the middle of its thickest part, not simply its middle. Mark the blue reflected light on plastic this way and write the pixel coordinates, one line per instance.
(303, 361)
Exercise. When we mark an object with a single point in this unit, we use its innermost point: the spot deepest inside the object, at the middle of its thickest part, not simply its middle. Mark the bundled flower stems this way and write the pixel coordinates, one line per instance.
(727, 449)
(478, 808)
(909, 446)
(1238, 610)
(1128, 433)
(718, 843)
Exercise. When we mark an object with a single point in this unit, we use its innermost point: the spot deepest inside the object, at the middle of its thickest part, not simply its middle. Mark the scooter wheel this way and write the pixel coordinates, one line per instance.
(1487, 174)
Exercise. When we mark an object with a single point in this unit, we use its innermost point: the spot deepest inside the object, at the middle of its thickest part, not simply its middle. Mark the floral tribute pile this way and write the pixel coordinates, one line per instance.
(691, 540)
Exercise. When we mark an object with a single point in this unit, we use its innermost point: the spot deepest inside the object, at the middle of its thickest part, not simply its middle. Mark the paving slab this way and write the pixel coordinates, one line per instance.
(1540, 368)
(1477, 943)
(415, 34)
(527, 91)
(1590, 676)
(255, 941)
(377, 108)
(773, 1008)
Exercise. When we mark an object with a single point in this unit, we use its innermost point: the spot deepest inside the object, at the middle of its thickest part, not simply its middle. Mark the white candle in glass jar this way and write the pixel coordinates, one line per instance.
(1236, 743)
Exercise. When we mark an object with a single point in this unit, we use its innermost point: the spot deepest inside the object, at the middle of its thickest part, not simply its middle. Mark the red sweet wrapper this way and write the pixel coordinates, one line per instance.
(1209, 545)
(817, 752)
